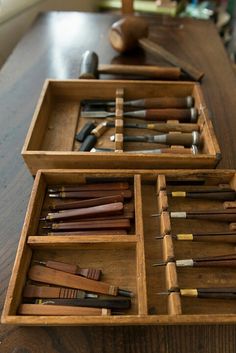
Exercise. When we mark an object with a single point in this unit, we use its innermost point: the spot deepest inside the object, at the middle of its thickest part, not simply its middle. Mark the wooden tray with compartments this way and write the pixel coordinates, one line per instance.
(59, 116)
(127, 259)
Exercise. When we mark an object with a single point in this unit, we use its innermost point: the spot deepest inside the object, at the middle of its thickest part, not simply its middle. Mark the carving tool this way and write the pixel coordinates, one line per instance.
(65, 205)
(108, 209)
(132, 31)
(99, 224)
(33, 291)
(55, 277)
(211, 215)
(91, 193)
(88, 187)
(184, 139)
(85, 131)
(193, 150)
(189, 115)
(220, 195)
(91, 232)
(210, 261)
(226, 237)
(161, 127)
(92, 138)
(91, 273)
(51, 310)
(150, 103)
(211, 293)
(113, 303)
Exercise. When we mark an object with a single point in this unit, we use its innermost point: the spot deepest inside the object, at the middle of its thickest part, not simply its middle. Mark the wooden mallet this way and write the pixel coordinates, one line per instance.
(131, 31)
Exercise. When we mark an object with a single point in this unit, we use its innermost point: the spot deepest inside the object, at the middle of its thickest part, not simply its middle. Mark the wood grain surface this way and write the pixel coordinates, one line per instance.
(52, 49)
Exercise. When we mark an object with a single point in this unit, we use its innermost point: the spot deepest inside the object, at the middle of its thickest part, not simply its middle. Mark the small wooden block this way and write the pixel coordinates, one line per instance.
(168, 248)
(118, 142)
(161, 183)
(174, 304)
(229, 204)
(165, 223)
(162, 201)
(171, 277)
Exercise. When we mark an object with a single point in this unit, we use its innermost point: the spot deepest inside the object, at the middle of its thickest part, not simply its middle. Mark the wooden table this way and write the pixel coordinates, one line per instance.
(52, 48)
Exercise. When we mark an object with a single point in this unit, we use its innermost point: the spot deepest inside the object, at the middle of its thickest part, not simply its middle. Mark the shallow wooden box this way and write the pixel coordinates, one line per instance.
(127, 259)
(50, 142)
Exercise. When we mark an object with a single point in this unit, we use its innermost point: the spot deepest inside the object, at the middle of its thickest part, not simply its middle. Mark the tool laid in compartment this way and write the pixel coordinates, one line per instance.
(96, 123)
(99, 275)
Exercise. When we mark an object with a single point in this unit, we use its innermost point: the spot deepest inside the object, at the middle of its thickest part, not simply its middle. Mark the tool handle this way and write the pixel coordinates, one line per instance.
(157, 50)
(87, 203)
(85, 131)
(88, 143)
(185, 139)
(113, 303)
(153, 72)
(51, 310)
(61, 266)
(95, 193)
(216, 263)
(55, 277)
(89, 65)
(217, 295)
(122, 223)
(170, 114)
(107, 209)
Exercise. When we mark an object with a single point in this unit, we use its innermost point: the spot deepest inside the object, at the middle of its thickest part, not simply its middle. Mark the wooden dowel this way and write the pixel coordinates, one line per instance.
(99, 224)
(33, 291)
(91, 232)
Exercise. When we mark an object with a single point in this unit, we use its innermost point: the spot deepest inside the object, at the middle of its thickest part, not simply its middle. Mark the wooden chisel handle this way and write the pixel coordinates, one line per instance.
(153, 72)
(90, 194)
(94, 211)
(100, 224)
(91, 273)
(33, 291)
(171, 114)
(90, 187)
(51, 310)
(87, 203)
(55, 277)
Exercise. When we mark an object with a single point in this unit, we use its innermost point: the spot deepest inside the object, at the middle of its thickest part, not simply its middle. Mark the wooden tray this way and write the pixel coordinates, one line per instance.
(126, 260)
(50, 142)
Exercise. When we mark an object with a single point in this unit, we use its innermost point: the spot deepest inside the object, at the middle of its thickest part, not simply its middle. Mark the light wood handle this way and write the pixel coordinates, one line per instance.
(50, 310)
(51, 276)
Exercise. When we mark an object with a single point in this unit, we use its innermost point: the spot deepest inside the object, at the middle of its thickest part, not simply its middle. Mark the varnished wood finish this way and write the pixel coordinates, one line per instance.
(22, 78)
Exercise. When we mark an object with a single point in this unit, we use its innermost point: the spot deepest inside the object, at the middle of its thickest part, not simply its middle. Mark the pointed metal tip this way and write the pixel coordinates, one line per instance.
(42, 219)
(155, 215)
(162, 293)
(47, 227)
(52, 190)
(159, 237)
(39, 262)
(162, 263)
(125, 293)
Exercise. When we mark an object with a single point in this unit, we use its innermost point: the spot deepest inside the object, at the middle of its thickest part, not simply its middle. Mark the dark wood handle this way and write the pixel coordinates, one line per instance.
(108, 209)
(65, 205)
(154, 72)
(107, 224)
(96, 193)
(217, 263)
(157, 50)
(169, 114)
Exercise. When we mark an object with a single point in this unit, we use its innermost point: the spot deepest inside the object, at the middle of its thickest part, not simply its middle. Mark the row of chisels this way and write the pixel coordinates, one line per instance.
(89, 209)
(162, 111)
